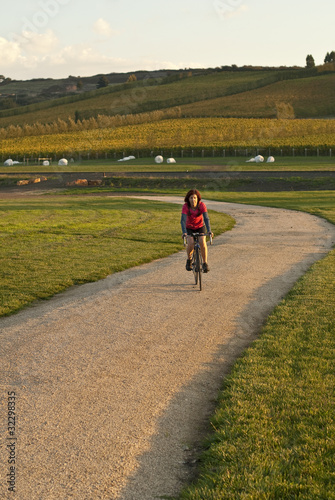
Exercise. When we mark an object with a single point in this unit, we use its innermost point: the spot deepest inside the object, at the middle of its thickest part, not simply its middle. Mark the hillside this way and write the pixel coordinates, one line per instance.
(248, 93)
(302, 98)
(37, 90)
(145, 95)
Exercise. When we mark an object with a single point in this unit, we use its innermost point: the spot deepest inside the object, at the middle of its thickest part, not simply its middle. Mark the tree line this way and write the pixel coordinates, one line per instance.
(329, 58)
(60, 126)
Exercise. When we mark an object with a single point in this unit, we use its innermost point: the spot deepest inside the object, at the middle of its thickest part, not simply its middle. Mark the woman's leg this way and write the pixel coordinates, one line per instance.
(190, 247)
(203, 247)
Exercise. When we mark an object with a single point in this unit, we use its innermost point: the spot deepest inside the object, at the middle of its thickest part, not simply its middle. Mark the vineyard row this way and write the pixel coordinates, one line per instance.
(175, 135)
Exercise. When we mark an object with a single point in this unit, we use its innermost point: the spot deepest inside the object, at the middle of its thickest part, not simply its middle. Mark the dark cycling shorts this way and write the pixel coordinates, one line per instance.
(201, 230)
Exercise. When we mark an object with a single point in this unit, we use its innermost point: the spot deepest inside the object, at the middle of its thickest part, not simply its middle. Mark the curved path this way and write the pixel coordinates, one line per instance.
(115, 380)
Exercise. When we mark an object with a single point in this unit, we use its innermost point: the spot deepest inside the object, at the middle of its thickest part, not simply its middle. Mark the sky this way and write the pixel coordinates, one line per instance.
(58, 38)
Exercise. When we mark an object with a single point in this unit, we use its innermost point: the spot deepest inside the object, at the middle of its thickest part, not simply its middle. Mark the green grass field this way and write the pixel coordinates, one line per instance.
(183, 164)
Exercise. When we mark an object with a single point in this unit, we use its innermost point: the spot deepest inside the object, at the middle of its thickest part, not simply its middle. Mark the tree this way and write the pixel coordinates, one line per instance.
(132, 78)
(8, 103)
(5, 80)
(80, 84)
(330, 57)
(310, 63)
(102, 82)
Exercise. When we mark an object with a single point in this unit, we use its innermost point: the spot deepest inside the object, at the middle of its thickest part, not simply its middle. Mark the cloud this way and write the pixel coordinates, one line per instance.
(9, 52)
(38, 43)
(103, 28)
(41, 55)
(20, 61)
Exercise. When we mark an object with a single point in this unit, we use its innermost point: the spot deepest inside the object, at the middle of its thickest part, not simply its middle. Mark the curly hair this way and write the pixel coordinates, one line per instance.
(192, 191)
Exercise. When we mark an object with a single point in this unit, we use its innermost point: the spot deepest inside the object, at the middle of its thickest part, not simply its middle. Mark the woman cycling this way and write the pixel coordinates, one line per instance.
(194, 219)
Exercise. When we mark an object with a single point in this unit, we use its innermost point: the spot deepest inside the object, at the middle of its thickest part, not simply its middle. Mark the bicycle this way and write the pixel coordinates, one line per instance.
(197, 258)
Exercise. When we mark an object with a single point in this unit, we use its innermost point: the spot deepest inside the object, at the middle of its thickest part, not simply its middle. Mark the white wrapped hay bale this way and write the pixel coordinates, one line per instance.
(63, 161)
(159, 159)
(46, 163)
(170, 160)
(259, 159)
(270, 159)
(251, 159)
(9, 163)
(127, 158)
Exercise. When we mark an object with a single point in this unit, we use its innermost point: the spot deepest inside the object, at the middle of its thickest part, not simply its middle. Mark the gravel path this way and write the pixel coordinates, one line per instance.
(115, 380)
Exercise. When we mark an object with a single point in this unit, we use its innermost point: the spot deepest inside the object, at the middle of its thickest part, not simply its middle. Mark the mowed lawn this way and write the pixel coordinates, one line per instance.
(274, 428)
(186, 164)
(50, 243)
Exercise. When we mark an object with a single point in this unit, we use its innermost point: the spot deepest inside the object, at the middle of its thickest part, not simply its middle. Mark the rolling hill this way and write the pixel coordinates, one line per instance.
(302, 98)
(249, 93)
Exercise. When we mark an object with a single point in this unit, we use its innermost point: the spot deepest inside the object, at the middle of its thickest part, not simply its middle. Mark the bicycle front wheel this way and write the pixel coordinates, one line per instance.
(200, 270)
(195, 265)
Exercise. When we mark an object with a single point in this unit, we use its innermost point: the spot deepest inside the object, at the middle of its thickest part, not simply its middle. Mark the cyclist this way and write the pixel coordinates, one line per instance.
(194, 219)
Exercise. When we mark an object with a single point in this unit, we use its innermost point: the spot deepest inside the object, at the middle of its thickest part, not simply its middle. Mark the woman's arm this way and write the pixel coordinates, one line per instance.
(183, 223)
(207, 222)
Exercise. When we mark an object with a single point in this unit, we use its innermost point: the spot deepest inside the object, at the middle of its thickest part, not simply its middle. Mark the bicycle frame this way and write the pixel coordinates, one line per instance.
(197, 260)
(197, 257)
